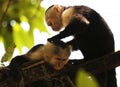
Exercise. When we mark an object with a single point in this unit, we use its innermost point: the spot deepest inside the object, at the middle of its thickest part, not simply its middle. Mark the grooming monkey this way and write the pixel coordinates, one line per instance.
(92, 35)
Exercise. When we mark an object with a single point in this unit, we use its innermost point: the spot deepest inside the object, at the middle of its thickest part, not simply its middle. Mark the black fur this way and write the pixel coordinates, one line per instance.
(16, 63)
(94, 40)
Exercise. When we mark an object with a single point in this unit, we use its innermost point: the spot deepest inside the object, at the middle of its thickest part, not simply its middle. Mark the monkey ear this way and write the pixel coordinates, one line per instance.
(57, 8)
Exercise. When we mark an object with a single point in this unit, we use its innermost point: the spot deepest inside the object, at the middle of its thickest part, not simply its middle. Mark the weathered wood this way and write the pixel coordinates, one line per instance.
(35, 71)
(98, 65)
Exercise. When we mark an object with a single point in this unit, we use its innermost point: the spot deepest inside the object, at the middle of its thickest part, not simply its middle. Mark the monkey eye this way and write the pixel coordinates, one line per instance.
(49, 24)
(60, 59)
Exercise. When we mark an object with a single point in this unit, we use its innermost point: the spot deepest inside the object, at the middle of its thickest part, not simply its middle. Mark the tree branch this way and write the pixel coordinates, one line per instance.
(4, 13)
(35, 71)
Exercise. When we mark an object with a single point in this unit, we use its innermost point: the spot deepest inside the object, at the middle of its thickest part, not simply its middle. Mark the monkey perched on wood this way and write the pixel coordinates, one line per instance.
(92, 36)
(55, 55)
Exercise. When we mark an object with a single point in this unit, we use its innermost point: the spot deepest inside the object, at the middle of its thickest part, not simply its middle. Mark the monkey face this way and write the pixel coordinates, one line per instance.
(53, 18)
(58, 62)
(56, 55)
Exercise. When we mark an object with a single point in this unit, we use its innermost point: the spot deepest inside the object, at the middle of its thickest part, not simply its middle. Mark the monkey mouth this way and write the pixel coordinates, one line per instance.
(56, 29)
(58, 67)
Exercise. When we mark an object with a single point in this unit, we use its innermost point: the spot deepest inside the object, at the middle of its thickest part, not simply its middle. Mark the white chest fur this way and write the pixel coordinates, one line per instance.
(67, 16)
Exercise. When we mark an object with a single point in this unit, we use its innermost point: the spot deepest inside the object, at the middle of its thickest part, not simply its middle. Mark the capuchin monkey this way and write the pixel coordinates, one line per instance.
(54, 55)
(92, 36)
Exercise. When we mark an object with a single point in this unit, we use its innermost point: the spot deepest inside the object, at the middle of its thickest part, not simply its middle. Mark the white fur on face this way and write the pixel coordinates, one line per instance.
(53, 18)
(56, 55)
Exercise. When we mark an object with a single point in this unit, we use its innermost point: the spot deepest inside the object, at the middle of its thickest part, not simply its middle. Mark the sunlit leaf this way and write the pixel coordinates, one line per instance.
(23, 18)
(85, 79)
(22, 38)
(1, 39)
(37, 21)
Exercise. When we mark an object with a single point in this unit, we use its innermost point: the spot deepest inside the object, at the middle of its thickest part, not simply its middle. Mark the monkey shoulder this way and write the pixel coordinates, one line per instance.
(18, 61)
(67, 16)
(71, 14)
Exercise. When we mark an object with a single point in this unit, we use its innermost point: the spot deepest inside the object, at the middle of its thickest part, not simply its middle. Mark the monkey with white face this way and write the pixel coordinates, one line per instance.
(55, 55)
(92, 35)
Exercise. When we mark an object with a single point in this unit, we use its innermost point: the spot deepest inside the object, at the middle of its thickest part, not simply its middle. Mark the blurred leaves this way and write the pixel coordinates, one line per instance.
(85, 79)
(7, 56)
(18, 19)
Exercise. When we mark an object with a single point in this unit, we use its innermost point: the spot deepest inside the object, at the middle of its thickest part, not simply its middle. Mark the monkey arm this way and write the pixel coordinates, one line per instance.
(73, 43)
(76, 26)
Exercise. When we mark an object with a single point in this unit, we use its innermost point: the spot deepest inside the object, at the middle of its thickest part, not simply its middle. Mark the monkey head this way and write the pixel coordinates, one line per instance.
(53, 17)
(56, 56)
(53, 53)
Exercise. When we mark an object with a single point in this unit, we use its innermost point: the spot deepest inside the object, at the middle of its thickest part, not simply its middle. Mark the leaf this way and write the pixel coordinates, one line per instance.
(22, 38)
(37, 20)
(7, 37)
(85, 79)
(9, 52)
(19, 11)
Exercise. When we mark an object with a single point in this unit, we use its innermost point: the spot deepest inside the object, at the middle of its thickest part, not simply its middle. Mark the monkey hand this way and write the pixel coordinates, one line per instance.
(51, 40)
(57, 42)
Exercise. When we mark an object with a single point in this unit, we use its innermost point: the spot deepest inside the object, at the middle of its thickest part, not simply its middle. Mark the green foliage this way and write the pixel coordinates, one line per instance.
(7, 56)
(18, 19)
(85, 79)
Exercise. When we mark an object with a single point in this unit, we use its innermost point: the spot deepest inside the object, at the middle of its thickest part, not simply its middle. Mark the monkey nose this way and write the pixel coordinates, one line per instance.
(50, 23)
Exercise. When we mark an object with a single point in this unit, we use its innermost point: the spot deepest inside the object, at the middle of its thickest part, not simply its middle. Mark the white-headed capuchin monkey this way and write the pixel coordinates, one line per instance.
(92, 36)
(54, 55)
